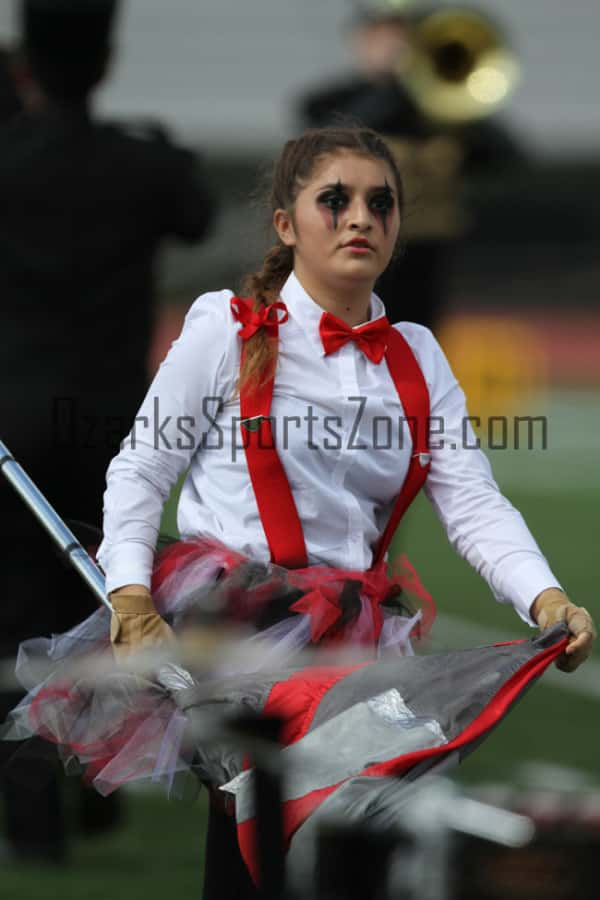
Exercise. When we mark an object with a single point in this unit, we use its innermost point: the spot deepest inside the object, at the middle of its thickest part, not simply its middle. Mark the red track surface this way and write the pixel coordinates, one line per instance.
(569, 341)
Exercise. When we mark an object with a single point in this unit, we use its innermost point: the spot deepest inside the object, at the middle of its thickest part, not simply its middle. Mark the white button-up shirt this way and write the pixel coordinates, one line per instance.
(342, 439)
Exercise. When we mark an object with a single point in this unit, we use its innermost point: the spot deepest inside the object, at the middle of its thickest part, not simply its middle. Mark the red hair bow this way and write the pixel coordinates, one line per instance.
(243, 312)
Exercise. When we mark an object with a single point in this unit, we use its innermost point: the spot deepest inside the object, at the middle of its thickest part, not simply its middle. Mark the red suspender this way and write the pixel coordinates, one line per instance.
(276, 506)
(274, 498)
(414, 396)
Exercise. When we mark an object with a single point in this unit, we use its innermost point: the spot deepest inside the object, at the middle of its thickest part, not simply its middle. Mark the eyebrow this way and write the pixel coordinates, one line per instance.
(334, 186)
(339, 186)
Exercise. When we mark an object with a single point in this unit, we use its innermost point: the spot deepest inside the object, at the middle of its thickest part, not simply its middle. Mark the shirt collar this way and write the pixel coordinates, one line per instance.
(307, 312)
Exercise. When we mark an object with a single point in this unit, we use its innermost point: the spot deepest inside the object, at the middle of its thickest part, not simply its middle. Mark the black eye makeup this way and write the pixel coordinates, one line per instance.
(382, 203)
(334, 198)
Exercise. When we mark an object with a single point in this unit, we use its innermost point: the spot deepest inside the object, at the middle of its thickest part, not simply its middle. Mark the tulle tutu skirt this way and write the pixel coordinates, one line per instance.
(116, 726)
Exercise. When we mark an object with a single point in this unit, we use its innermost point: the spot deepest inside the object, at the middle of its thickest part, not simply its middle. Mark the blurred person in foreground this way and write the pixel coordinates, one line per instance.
(434, 155)
(10, 104)
(85, 207)
(288, 531)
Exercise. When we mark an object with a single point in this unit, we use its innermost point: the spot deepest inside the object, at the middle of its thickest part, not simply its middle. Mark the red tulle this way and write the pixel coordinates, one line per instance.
(322, 587)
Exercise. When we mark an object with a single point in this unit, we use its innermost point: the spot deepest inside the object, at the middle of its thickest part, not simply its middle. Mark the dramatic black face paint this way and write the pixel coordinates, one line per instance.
(334, 199)
(382, 204)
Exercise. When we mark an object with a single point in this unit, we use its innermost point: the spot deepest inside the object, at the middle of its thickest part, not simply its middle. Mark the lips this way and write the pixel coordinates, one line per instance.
(359, 243)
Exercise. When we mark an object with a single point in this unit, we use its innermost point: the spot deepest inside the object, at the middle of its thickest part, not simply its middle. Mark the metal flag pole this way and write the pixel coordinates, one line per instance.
(269, 825)
(62, 536)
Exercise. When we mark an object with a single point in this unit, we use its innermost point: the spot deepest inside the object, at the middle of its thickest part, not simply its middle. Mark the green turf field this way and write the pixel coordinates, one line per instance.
(558, 492)
(158, 853)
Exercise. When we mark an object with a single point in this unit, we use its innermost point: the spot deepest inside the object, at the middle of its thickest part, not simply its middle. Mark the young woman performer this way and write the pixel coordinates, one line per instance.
(350, 401)
(303, 416)
(309, 424)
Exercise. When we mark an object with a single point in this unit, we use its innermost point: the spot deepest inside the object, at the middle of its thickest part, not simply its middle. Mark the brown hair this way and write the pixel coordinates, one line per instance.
(292, 170)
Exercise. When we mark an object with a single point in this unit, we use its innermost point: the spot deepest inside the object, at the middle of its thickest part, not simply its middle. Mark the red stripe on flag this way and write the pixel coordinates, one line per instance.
(493, 712)
(296, 811)
(296, 700)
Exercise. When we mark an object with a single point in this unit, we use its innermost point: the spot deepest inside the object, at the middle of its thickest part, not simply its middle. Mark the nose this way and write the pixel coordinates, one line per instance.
(360, 218)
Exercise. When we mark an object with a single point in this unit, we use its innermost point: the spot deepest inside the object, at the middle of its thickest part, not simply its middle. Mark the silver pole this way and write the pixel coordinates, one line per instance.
(62, 536)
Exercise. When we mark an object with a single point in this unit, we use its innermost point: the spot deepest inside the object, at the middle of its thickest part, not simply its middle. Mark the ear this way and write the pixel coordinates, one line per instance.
(284, 226)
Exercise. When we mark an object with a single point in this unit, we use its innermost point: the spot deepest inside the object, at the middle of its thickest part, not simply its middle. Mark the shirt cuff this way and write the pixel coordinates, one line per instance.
(129, 564)
(525, 583)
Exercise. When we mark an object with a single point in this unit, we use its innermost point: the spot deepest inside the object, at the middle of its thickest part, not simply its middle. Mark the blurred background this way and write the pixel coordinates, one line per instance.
(506, 250)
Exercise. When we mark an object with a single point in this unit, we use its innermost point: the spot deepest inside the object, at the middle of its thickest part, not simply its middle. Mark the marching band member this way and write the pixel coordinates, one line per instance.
(307, 424)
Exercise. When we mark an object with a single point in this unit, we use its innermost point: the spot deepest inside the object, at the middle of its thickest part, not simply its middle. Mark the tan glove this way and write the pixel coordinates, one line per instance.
(135, 625)
(552, 606)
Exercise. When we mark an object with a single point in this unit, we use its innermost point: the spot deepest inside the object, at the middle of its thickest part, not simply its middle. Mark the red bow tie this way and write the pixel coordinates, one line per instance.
(370, 337)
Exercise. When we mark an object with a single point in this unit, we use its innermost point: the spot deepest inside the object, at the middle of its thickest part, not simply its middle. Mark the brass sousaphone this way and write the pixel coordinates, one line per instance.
(457, 68)
(460, 67)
